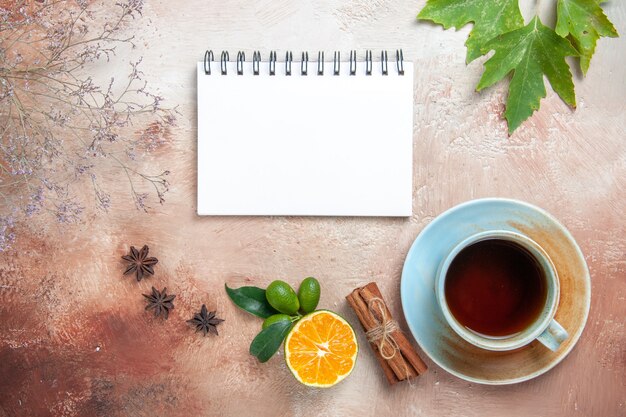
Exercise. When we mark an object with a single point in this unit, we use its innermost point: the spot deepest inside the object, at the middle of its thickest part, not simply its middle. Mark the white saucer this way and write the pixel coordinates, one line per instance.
(426, 321)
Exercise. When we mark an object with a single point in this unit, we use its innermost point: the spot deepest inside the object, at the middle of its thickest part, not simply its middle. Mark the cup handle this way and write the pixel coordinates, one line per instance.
(553, 336)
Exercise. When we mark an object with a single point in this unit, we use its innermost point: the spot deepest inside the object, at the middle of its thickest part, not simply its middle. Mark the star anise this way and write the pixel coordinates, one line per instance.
(160, 302)
(139, 262)
(205, 321)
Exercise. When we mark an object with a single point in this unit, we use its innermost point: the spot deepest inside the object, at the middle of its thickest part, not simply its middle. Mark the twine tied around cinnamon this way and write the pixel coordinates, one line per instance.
(394, 352)
(381, 334)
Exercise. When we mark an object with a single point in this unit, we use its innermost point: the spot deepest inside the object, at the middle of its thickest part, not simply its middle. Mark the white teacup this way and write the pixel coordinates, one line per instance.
(545, 329)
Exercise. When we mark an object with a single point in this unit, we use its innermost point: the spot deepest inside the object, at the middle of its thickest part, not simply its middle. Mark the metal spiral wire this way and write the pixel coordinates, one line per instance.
(304, 62)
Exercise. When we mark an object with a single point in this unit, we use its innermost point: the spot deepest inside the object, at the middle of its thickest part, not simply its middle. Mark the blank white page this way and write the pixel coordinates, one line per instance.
(319, 145)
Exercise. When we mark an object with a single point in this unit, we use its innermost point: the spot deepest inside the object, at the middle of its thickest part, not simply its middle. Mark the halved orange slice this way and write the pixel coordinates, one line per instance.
(321, 349)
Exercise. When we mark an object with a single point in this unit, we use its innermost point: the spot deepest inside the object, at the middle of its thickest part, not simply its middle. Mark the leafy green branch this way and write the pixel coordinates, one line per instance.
(527, 51)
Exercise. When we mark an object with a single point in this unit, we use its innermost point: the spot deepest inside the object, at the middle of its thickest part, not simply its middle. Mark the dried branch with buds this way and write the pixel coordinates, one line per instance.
(61, 130)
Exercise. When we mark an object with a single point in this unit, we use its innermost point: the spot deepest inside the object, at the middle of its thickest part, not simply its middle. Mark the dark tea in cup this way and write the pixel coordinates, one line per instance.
(495, 287)
(499, 290)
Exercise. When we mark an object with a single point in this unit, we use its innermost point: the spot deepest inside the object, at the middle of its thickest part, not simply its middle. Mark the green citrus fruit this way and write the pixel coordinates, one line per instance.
(275, 319)
(309, 294)
(282, 297)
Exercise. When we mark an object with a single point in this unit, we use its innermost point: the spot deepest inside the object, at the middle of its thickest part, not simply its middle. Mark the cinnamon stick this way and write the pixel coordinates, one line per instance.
(397, 362)
(389, 374)
(371, 291)
(403, 362)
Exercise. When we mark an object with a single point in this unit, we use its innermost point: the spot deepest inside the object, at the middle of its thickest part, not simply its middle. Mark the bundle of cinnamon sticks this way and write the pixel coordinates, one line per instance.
(392, 348)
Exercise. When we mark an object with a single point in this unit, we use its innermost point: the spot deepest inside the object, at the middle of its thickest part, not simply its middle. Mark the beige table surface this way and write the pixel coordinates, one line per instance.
(75, 340)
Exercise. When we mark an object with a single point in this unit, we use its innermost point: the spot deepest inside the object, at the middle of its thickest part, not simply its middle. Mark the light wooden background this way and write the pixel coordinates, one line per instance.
(75, 341)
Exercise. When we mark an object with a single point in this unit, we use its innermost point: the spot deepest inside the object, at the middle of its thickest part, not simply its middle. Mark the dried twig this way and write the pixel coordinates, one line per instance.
(59, 129)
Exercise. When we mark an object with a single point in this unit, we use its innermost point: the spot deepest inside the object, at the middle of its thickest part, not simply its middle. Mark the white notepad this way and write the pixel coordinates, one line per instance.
(318, 145)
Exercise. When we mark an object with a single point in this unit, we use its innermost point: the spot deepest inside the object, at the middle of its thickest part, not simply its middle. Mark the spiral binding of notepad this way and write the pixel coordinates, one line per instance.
(304, 62)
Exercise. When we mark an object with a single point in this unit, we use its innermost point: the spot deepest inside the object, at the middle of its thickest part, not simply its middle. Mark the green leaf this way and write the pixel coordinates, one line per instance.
(491, 18)
(251, 299)
(266, 343)
(530, 52)
(583, 22)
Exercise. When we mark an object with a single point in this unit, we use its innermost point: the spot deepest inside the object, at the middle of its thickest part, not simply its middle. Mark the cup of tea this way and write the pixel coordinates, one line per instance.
(499, 291)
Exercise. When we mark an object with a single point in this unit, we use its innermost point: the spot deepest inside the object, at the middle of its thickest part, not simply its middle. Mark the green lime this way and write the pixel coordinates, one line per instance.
(282, 297)
(275, 319)
(309, 294)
